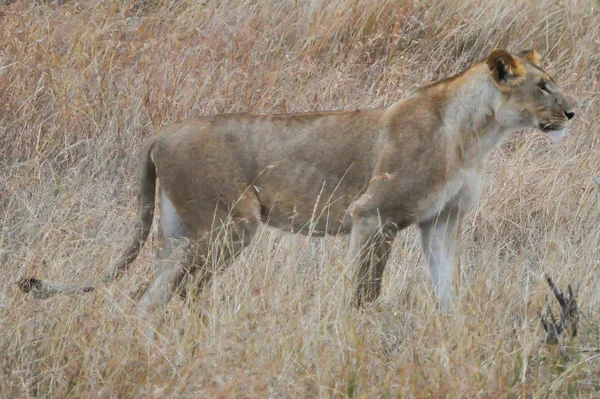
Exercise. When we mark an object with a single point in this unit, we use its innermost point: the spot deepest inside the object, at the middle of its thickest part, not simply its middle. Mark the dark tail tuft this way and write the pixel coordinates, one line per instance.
(30, 284)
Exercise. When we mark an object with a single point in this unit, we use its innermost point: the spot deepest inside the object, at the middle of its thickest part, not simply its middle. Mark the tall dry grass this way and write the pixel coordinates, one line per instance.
(82, 84)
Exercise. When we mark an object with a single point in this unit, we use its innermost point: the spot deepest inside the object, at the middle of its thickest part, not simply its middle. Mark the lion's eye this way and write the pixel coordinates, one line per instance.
(544, 87)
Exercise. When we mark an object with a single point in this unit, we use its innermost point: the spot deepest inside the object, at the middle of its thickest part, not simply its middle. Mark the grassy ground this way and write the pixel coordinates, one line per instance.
(82, 84)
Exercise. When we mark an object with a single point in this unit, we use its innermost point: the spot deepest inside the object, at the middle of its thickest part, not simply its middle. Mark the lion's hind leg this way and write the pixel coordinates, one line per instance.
(218, 246)
(198, 255)
(169, 268)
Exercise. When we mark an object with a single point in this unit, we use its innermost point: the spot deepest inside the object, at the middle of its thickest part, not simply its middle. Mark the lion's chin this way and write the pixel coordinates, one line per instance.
(556, 136)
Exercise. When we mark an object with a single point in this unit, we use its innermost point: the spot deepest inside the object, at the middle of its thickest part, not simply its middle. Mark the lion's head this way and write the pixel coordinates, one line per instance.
(530, 97)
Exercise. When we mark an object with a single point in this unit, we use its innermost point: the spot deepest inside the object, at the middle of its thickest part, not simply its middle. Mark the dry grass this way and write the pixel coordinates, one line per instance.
(83, 83)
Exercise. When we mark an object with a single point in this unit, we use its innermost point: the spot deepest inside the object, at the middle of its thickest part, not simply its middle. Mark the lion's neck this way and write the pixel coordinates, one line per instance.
(469, 116)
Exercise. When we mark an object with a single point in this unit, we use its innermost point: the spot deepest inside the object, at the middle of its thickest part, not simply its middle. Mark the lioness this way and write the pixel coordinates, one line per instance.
(367, 172)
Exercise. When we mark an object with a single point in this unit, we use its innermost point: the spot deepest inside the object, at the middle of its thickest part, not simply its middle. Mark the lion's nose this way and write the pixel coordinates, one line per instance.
(569, 115)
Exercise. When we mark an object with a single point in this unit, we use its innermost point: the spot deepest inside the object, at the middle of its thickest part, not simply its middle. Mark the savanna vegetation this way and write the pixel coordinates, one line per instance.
(83, 83)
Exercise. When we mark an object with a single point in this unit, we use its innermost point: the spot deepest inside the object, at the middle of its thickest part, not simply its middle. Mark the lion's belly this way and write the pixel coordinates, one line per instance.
(333, 223)
(308, 200)
(299, 212)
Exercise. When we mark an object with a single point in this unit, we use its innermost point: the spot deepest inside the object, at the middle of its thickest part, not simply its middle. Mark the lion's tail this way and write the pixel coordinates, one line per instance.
(146, 200)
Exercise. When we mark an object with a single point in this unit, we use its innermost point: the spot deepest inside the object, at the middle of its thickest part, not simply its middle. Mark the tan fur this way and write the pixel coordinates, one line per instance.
(370, 172)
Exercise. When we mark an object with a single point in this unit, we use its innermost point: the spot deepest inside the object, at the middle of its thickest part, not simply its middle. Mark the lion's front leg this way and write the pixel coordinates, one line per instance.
(440, 240)
(370, 247)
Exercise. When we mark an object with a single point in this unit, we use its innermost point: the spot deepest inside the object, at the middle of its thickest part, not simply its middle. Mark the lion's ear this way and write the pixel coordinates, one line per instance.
(530, 55)
(504, 67)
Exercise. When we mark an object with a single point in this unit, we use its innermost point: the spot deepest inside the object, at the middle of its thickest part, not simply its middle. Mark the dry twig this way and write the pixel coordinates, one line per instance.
(569, 315)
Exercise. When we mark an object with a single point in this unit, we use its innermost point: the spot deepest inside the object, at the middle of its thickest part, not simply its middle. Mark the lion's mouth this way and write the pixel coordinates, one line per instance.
(548, 127)
(555, 130)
